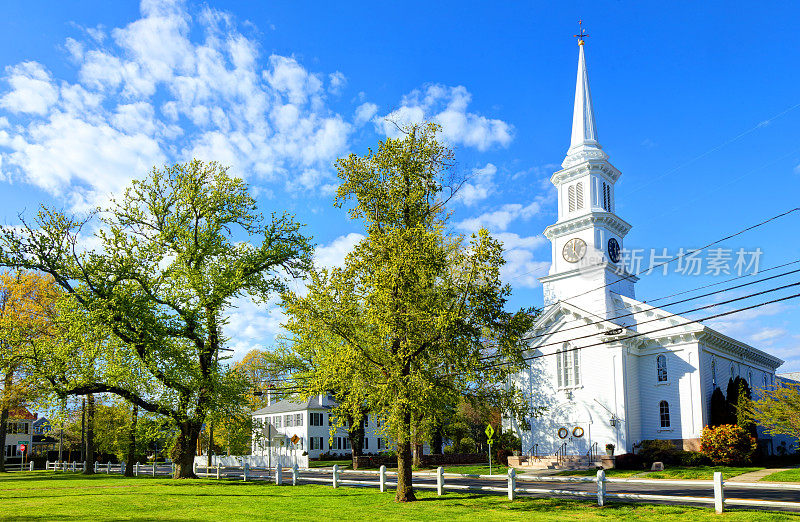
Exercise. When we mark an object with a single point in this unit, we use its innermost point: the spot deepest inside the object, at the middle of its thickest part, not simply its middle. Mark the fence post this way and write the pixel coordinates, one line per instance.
(719, 493)
(383, 478)
(108, 467)
(335, 475)
(122, 467)
(295, 474)
(244, 472)
(440, 481)
(512, 483)
(194, 467)
(601, 487)
(95, 466)
(217, 471)
(46, 465)
(136, 469)
(279, 473)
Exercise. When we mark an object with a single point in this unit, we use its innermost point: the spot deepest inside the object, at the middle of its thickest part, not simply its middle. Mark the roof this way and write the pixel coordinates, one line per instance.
(790, 376)
(287, 406)
(21, 414)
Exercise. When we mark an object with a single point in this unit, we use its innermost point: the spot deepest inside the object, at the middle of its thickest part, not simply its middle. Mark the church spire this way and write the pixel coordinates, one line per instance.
(584, 131)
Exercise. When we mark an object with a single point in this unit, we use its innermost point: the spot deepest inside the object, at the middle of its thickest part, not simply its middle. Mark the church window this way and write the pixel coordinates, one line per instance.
(713, 372)
(733, 371)
(605, 196)
(765, 380)
(661, 367)
(567, 367)
(579, 195)
(663, 410)
(749, 378)
(571, 197)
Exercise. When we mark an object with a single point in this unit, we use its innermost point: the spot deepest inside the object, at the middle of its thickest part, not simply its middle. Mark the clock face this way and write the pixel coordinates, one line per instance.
(613, 250)
(574, 250)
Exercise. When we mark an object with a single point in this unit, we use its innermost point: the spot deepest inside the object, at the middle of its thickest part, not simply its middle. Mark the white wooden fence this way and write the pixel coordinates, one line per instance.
(510, 484)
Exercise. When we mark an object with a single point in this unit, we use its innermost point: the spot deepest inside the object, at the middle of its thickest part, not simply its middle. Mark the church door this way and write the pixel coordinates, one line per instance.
(578, 440)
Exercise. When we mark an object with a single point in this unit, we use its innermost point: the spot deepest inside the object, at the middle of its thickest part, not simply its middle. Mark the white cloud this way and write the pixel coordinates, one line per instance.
(365, 112)
(165, 88)
(768, 334)
(447, 106)
(333, 254)
(479, 186)
(32, 90)
(501, 218)
(337, 82)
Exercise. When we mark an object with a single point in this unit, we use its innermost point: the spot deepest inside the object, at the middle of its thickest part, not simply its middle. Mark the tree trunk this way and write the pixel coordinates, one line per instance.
(8, 379)
(132, 442)
(356, 434)
(405, 489)
(89, 451)
(183, 452)
(83, 429)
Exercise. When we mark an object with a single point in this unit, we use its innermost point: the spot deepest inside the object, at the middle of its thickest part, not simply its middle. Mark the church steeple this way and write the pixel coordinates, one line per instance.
(584, 131)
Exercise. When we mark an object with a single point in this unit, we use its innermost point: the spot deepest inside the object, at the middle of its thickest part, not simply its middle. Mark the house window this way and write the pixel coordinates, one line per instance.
(567, 367)
(381, 443)
(663, 410)
(288, 421)
(661, 368)
(316, 443)
(571, 197)
(366, 421)
(316, 419)
(366, 443)
(579, 195)
(377, 422)
(298, 419)
(713, 372)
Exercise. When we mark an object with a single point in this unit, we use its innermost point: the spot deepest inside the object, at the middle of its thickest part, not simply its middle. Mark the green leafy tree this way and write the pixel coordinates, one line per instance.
(718, 407)
(147, 308)
(777, 410)
(418, 314)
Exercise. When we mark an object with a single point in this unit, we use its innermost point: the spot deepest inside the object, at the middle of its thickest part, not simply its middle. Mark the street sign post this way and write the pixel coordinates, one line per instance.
(489, 433)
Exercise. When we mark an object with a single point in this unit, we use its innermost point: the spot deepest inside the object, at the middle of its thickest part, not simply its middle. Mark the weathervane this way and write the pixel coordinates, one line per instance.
(581, 34)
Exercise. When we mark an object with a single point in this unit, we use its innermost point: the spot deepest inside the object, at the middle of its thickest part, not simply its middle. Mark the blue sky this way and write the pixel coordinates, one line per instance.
(696, 104)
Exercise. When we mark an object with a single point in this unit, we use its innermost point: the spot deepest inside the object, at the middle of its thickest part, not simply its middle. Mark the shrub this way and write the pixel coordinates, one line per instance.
(727, 444)
(628, 461)
(657, 451)
(691, 459)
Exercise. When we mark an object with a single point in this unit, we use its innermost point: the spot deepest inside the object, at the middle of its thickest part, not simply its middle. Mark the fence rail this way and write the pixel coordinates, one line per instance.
(514, 483)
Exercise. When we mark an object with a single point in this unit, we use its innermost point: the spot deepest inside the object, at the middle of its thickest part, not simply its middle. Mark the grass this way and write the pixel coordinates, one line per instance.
(790, 475)
(65, 496)
(671, 473)
(468, 469)
(343, 464)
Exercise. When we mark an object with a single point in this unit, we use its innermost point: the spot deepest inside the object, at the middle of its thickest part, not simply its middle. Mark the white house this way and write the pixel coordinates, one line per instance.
(604, 366)
(19, 431)
(277, 424)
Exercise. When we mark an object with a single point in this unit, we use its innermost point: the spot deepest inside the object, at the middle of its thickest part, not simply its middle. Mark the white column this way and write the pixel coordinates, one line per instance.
(335, 475)
(383, 479)
(512, 483)
(719, 493)
(601, 487)
(440, 481)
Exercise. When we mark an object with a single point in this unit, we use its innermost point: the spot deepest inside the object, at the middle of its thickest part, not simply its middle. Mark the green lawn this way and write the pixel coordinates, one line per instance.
(673, 472)
(66, 496)
(343, 464)
(791, 475)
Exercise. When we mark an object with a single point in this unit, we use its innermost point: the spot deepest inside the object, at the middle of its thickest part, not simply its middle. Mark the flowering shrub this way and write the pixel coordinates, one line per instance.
(727, 444)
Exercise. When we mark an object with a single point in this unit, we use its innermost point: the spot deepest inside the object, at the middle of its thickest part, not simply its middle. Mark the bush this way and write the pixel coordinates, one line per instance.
(657, 451)
(691, 459)
(628, 461)
(727, 444)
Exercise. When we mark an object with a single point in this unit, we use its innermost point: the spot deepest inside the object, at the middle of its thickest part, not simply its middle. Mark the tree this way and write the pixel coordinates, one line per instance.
(718, 407)
(417, 314)
(778, 409)
(727, 445)
(152, 299)
(25, 298)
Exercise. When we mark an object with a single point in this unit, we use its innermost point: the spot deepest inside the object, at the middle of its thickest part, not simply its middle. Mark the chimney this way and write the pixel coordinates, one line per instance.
(321, 398)
(269, 397)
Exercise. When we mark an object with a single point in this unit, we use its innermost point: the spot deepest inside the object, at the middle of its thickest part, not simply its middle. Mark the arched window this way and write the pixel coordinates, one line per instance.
(765, 380)
(750, 378)
(579, 195)
(733, 371)
(571, 197)
(663, 411)
(567, 367)
(661, 367)
(713, 372)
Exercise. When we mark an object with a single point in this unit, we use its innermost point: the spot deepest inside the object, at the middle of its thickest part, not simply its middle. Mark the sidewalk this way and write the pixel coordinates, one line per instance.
(755, 476)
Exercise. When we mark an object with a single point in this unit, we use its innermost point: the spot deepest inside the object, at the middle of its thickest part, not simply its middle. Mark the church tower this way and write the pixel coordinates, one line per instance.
(587, 268)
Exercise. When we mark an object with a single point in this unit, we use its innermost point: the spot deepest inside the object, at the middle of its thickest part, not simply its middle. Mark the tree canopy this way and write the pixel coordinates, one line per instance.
(143, 313)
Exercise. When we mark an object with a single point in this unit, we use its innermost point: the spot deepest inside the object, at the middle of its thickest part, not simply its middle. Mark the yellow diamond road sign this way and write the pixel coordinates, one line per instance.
(489, 431)
(295, 439)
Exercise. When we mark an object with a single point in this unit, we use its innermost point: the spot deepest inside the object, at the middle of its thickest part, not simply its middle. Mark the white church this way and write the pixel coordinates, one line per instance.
(605, 367)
